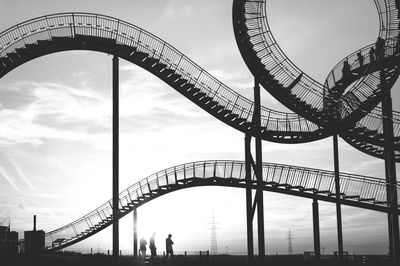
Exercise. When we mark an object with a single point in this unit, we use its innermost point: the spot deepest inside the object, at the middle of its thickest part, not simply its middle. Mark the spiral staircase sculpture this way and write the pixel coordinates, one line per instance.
(310, 99)
(346, 104)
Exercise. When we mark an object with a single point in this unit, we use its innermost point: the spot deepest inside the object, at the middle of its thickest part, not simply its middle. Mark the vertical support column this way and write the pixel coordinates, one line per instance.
(259, 195)
(249, 198)
(385, 122)
(135, 246)
(317, 243)
(390, 169)
(338, 206)
(389, 216)
(115, 166)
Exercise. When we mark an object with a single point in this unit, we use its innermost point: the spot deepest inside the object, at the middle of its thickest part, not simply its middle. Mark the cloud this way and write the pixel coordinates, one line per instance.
(71, 104)
(144, 94)
(18, 129)
(54, 111)
(15, 96)
(174, 7)
(237, 80)
(11, 180)
(4, 221)
(369, 166)
(21, 175)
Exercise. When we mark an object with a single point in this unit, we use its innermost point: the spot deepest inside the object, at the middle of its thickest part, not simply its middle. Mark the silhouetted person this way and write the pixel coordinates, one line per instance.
(371, 55)
(379, 48)
(152, 247)
(346, 69)
(142, 247)
(168, 247)
(360, 58)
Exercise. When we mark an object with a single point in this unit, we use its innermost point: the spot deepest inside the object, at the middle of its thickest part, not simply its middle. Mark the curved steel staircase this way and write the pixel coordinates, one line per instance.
(72, 31)
(358, 191)
(345, 105)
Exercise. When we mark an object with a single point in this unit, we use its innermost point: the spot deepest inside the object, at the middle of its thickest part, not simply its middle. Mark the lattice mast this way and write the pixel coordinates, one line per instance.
(290, 247)
(214, 249)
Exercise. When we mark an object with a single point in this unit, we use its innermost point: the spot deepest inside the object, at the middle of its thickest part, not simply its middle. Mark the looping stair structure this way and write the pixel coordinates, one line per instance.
(347, 101)
(358, 191)
(345, 104)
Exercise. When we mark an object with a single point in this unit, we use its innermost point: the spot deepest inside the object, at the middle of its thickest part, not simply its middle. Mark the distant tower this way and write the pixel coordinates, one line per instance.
(213, 236)
(290, 248)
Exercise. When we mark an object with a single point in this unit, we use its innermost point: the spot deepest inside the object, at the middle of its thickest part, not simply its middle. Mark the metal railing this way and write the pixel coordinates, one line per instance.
(72, 25)
(363, 60)
(309, 90)
(78, 24)
(304, 180)
(307, 180)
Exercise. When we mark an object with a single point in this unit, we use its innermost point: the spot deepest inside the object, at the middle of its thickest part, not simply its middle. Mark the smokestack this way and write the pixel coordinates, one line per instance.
(34, 222)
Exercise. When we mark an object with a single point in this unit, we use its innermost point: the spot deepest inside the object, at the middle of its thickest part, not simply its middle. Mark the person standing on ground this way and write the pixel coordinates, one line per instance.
(168, 246)
(142, 247)
(153, 248)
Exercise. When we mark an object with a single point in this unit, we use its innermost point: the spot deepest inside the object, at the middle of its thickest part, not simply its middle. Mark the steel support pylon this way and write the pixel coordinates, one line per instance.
(115, 164)
(249, 198)
(135, 242)
(338, 205)
(317, 243)
(390, 171)
(257, 168)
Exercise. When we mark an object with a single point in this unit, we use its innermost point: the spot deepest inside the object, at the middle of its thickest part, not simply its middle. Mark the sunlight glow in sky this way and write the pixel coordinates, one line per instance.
(55, 137)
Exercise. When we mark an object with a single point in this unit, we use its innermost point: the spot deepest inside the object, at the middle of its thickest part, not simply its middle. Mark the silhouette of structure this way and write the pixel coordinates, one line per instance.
(317, 242)
(214, 247)
(345, 106)
(8, 241)
(290, 246)
(135, 242)
(115, 162)
(287, 179)
(34, 241)
(340, 105)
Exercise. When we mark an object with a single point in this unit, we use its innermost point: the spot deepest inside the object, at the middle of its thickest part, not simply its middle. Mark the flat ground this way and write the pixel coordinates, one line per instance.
(61, 259)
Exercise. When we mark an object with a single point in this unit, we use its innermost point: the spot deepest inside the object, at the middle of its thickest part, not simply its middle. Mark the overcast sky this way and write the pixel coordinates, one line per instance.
(55, 137)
